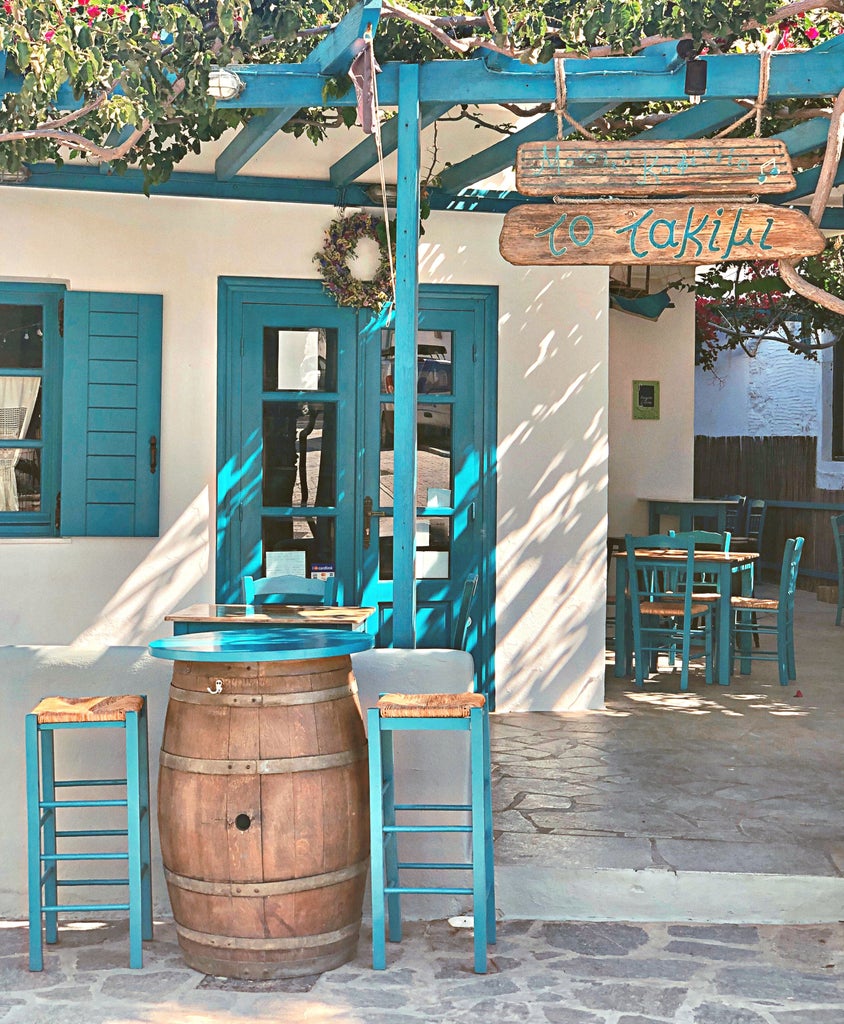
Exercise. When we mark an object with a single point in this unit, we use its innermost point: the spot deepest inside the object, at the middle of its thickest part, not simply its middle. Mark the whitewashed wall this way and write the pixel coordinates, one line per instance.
(650, 458)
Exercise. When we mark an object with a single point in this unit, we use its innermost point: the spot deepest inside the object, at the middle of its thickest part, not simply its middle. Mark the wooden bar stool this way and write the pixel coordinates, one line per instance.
(454, 712)
(61, 713)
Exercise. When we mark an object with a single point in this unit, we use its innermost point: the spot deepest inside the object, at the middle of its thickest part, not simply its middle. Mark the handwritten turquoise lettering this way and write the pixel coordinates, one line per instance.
(581, 221)
(633, 228)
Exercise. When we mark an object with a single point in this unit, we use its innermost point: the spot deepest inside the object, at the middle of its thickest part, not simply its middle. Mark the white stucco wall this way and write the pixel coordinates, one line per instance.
(775, 394)
(650, 458)
(552, 426)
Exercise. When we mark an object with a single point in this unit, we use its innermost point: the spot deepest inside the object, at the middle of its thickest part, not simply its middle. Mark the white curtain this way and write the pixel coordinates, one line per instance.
(17, 403)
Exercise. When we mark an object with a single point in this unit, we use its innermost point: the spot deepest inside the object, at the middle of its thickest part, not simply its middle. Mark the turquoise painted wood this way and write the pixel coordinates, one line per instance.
(288, 590)
(388, 822)
(111, 414)
(47, 297)
(331, 56)
(261, 645)
(405, 368)
(46, 850)
(696, 121)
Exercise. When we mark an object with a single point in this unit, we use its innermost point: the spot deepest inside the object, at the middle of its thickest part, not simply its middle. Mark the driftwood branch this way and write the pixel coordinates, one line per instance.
(829, 167)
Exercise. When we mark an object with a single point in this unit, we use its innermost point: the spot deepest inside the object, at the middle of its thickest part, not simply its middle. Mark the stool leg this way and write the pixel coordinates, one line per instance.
(391, 839)
(479, 880)
(488, 838)
(133, 838)
(376, 830)
(146, 855)
(51, 871)
(36, 955)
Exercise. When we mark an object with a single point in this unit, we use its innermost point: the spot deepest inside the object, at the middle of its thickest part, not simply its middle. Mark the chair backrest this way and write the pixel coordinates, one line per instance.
(288, 590)
(790, 568)
(649, 581)
(756, 512)
(736, 520)
(462, 622)
(837, 522)
(707, 540)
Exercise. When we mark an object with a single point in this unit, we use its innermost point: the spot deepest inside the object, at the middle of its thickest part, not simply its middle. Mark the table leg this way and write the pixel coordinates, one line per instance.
(622, 612)
(746, 581)
(722, 636)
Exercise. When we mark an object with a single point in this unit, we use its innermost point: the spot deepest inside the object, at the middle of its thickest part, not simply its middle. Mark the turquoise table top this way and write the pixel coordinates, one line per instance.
(261, 645)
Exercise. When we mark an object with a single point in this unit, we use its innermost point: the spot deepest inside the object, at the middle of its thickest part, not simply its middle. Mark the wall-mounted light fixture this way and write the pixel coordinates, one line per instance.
(17, 177)
(379, 195)
(224, 84)
(695, 86)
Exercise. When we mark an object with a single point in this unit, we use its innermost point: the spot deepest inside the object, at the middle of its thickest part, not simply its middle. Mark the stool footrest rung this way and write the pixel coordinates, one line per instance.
(83, 803)
(436, 866)
(78, 833)
(433, 807)
(48, 857)
(65, 783)
(81, 908)
(91, 881)
(427, 828)
(440, 890)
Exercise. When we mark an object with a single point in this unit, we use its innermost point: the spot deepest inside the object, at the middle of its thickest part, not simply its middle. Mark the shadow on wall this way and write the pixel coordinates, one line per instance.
(179, 560)
(551, 564)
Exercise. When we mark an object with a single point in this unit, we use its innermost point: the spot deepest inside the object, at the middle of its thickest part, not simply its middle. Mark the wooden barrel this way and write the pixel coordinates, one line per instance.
(264, 816)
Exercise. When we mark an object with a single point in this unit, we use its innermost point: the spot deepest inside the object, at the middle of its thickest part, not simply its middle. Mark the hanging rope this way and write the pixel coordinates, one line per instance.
(560, 106)
(379, 149)
(758, 108)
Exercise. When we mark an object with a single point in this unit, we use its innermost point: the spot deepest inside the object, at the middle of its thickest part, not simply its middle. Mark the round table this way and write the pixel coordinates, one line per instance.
(263, 800)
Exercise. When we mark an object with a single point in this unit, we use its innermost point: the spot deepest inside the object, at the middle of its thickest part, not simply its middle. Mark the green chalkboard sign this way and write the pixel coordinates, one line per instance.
(645, 399)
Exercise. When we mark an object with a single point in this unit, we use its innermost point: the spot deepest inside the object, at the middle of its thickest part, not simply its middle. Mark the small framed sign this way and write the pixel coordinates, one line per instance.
(645, 399)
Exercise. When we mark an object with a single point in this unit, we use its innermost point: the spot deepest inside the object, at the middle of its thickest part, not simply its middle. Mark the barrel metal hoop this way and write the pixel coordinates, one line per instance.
(279, 888)
(266, 766)
(288, 942)
(262, 700)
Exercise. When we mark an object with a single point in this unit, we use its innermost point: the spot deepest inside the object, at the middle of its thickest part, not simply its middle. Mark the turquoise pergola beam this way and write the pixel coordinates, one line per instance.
(805, 137)
(331, 56)
(696, 121)
(503, 154)
(365, 155)
(807, 182)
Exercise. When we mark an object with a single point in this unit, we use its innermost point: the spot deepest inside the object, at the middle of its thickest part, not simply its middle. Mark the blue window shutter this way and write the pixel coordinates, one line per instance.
(111, 409)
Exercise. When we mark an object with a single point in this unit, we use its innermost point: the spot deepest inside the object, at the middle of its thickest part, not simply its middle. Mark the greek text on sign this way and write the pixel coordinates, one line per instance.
(699, 166)
(678, 232)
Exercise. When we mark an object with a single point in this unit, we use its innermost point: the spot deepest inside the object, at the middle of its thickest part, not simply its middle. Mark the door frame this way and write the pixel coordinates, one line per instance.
(482, 301)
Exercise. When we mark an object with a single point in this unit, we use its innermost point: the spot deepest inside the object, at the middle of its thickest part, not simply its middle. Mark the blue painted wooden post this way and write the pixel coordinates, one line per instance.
(407, 302)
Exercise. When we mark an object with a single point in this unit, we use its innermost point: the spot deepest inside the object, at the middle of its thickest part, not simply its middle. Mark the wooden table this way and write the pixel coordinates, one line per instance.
(199, 618)
(263, 798)
(722, 564)
(687, 510)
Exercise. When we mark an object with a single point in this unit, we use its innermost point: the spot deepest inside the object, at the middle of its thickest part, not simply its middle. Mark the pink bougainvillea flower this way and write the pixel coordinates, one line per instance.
(812, 32)
(93, 11)
(48, 35)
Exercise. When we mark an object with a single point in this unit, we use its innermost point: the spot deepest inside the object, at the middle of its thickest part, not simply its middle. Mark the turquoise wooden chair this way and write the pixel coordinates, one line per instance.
(46, 848)
(663, 607)
(288, 590)
(759, 616)
(455, 713)
(838, 537)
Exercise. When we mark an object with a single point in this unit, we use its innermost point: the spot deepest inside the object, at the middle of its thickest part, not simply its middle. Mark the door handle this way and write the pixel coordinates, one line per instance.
(367, 520)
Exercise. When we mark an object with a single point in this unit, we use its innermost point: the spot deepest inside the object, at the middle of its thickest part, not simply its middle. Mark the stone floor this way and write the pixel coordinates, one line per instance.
(671, 858)
(540, 973)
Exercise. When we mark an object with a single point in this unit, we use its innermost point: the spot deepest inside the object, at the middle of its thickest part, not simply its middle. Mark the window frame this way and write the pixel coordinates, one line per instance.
(49, 298)
(836, 452)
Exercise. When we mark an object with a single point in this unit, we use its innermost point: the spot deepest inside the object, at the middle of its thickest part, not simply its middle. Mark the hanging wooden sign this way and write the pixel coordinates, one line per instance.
(681, 231)
(683, 167)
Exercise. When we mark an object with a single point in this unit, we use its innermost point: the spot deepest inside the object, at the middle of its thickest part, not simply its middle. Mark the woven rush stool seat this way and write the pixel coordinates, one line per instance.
(56, 714)
(451, 712)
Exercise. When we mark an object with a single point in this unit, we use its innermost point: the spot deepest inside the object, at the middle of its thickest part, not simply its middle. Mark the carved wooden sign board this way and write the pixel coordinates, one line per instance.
(684, 167)
(677, 231)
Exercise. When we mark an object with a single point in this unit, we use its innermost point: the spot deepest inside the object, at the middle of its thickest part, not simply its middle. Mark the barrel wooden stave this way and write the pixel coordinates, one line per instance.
(245, 818)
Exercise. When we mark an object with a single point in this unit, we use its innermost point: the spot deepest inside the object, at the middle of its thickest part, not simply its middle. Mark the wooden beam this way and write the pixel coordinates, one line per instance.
(696, 121)
(807, 182)
(405, 368)
(332, 55)
(806, 136)
(365, 155)
(503, 154)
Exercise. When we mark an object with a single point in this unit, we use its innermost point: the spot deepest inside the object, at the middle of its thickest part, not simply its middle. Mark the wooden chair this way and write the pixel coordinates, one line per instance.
(750, 615)
(663, 607)
(462, 622)
(47, 849)
(288, 590)
(838, 536)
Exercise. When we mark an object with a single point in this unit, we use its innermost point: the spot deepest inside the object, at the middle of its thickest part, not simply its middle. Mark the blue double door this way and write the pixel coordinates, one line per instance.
(307, 456)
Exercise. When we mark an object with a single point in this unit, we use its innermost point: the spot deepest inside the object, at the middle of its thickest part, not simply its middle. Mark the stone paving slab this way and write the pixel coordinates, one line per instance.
(540, 973)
